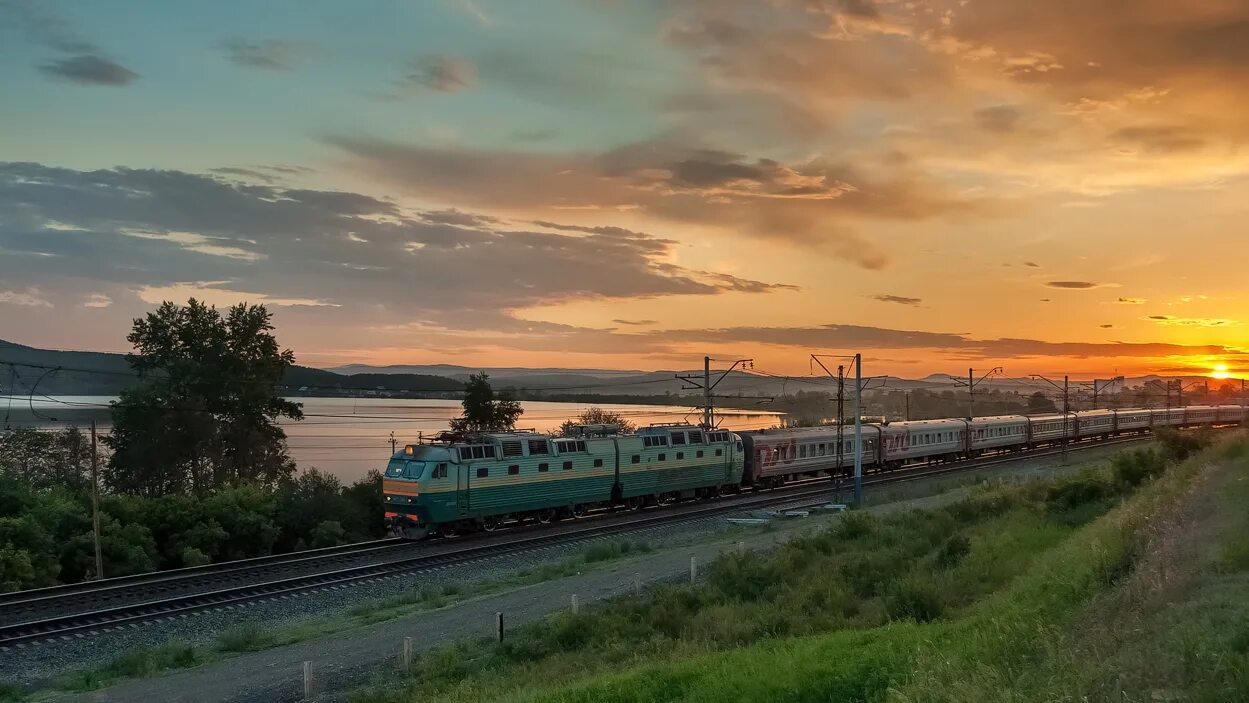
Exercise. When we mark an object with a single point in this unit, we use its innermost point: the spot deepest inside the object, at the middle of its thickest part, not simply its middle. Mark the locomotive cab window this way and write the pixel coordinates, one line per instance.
(678, 438)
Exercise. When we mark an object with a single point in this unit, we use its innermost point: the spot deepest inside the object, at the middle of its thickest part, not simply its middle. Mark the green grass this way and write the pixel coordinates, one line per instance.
(252, 637)
(136, 663)
(973, 601)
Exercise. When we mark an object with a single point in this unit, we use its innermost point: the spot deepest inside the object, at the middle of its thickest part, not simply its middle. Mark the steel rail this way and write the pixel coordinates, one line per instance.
(77, 624)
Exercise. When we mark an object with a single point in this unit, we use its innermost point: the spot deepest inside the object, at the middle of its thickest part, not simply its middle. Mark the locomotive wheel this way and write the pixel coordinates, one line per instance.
(634, 503)
(492, 523)
(545, 516)
(579, 511)
(412, 533)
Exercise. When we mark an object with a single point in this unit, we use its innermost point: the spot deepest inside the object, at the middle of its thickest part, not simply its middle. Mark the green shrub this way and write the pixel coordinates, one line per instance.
(194, 557)
(1132, 468)
(1235, 555)
(953, 551)
(1178, 445)
(11, 694)
(855, 525)
(913, 599)
(244, 638)
(1075, 491)
(327, 533)
(614, 550)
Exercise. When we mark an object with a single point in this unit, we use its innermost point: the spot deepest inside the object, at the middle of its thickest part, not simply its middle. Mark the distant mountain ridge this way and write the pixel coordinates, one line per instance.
(107, 373)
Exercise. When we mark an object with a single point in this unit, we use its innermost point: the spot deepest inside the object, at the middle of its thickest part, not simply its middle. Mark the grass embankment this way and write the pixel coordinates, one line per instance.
(1032, 592)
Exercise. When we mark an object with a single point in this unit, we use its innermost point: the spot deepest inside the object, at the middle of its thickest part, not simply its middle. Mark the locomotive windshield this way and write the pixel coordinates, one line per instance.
(399, 468)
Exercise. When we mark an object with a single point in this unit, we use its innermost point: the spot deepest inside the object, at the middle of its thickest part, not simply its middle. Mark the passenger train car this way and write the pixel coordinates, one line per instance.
(481, 482)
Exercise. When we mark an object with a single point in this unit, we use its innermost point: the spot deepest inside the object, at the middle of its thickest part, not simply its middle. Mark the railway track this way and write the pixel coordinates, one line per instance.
(78, 610)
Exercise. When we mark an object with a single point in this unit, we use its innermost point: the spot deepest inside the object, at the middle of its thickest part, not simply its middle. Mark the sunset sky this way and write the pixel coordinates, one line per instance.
(1051, 187)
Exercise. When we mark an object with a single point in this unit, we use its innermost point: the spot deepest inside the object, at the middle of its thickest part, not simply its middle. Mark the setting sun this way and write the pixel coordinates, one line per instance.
(1220, 371)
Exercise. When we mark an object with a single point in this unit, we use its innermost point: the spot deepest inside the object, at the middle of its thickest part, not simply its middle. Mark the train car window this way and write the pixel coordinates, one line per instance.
(543, 467)
(719, 452)
(483, 472)
(440, 471)
(699, 454)
(802, 451)
(680, 455)
(567, 465)
(479, 452)
(538, 446)
(512, 447)
(598, 463)
(513, 469)
(678, 438)
(663, 456)
(637, 458)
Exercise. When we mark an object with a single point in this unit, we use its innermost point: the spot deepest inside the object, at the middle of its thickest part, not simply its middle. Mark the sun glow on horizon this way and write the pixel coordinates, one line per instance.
(1220, 371)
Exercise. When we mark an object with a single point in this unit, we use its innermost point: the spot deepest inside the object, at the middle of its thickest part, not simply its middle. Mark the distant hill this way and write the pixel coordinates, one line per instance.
(104, 373)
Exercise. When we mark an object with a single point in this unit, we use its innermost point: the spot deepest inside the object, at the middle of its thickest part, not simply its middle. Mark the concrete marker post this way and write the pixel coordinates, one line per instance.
(307, 680)
(693, 569)
(637, 584)
(574, 604)
(498, 626)
(407, 652)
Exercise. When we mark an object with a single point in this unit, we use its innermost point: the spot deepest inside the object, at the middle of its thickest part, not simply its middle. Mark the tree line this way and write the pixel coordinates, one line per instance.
(195, 468)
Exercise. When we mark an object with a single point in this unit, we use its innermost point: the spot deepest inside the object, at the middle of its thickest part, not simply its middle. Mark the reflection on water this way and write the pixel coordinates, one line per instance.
(349, 436)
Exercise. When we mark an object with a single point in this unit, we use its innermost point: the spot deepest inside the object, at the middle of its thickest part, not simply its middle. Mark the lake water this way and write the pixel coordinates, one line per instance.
(349, 436)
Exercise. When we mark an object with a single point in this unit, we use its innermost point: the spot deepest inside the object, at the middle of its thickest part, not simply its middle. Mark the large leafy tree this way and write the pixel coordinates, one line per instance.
(204, 415)
(483, 411)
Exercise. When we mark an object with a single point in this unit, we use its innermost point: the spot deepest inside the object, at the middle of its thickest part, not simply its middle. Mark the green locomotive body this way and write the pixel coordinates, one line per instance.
(489, 479)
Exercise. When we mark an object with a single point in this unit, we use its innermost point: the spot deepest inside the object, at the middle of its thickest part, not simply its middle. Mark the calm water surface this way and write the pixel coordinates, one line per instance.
(349, 436)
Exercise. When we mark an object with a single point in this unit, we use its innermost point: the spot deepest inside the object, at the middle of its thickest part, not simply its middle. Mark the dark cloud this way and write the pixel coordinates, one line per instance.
(1161, 139)
(998, 119)
(1032, 264)
(89, 69)
(447, 74)
(266, 54)
(1106, 327)
(638, 323)
(36, 21)
(814, 203)
(1131, 301)
(1073, 285)
(81, 62)
(459, 218)
(899, 299)
(245, 173)
(157, 228)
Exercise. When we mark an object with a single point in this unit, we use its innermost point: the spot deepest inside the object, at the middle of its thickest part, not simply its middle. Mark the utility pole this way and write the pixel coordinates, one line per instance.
(858, 419)
(1065, 388)
(707, 411)
(908, 406)
(705, 383)
(971, 384)
(858, 429)
(841, 412)
(95, 505)
(394, 443)
(1101, 384)
(1066, 411)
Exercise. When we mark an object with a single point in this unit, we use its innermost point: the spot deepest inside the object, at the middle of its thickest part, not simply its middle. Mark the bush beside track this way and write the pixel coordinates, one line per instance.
(979, 600)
